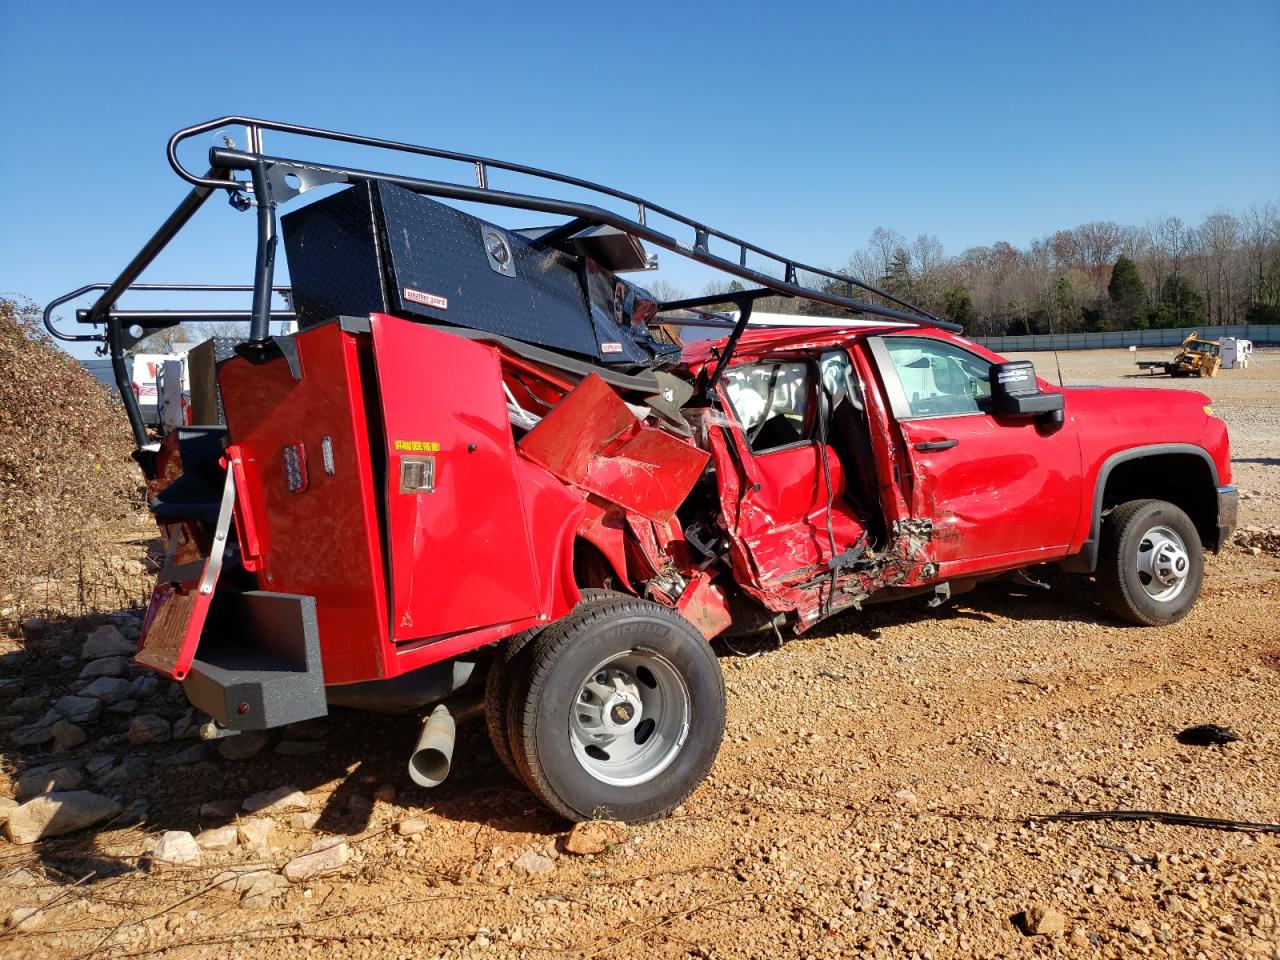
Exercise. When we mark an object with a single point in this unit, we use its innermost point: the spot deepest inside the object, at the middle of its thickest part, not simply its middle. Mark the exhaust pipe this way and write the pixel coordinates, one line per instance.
(432, 755)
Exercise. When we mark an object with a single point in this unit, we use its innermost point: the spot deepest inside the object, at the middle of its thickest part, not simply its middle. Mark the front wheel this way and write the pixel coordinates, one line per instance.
(1151, 567)
(617, 711)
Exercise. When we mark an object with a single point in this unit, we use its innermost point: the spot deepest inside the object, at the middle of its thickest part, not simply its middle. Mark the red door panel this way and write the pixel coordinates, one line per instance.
(1008, 491)
(459, 545)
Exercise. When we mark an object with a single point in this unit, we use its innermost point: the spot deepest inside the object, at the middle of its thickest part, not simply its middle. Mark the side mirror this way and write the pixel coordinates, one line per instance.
(1016, 393)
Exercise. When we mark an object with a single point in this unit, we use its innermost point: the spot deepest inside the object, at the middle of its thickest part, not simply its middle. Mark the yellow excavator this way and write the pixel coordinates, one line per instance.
(1195, 358)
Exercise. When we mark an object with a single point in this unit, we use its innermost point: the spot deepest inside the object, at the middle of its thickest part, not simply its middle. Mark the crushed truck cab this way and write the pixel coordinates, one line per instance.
(486, 475)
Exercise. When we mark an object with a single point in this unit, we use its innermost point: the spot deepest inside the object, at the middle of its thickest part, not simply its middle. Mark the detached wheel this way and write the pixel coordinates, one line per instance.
(497, 683)
(1151, 567)
(618, 711)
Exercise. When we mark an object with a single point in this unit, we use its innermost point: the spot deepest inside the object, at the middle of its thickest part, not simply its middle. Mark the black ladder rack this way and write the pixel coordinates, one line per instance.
(272, 180)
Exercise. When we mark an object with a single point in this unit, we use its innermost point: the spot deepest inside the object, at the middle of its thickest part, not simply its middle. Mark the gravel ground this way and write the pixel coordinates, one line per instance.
(877, 795)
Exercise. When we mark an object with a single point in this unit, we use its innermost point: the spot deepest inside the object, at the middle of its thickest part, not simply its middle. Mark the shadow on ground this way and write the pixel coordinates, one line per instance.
(362, 752)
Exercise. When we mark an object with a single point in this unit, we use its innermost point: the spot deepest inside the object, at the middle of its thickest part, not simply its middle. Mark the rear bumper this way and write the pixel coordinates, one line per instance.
(258, 664)
(1228, 507)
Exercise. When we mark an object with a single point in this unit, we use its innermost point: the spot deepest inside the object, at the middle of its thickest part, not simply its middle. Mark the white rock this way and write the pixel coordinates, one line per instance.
(255, 834)
(28, 918)
(46, 779)
(411, 827)
(177, 847)
(277, 800)
(533, 862)
(327, 859)
(218, 838)
(54, 814)
(5, 806)
(107, 641)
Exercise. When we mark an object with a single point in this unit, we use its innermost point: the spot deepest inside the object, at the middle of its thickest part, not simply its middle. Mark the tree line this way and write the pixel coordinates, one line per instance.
(1096, 276)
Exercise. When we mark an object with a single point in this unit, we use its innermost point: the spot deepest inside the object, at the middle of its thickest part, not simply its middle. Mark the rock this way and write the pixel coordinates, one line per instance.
(27, 704)
(906, 798)
(184, 758)
(78, 709)
(28, 918)
(1040, 919)
(304, 821)
(218, 838)
(411, 827)
(126, 773)
(148, 728)
(319, 862)
(144, 686)
(300, 748)
(386, 793)
(96, 766)
(112, 667)
(263, 891)
(176, 847)
(46, 779)
(123, 707)
(255, 834)
(359, 806)
(107, 689)
(54, 814)
(67, 735)
(33, 734)
(6, 805)
(1141, 929)
(242, 746)
(107, 641)
(276, 801)
(595, 836)
(218, 809)
(22, 877)
(534, 863)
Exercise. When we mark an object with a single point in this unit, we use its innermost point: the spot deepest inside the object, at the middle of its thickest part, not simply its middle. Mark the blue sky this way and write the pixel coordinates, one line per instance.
(800, 128)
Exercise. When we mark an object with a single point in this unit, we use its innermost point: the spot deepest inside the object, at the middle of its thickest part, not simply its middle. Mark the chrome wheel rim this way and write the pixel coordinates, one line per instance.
(1163, 564)
(630, 717)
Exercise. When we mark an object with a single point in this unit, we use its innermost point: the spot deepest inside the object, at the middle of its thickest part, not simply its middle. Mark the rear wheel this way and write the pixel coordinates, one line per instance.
(497, 684)
(1151, 567)
(617, 710)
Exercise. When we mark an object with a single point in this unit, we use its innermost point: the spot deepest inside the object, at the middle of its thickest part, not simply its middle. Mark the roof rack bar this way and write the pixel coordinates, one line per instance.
(239, 160)
(256, 126)
(167, 318)
(159, 240)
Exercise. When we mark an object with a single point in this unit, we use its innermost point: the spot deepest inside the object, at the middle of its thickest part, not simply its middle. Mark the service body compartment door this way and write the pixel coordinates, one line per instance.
(456, 530)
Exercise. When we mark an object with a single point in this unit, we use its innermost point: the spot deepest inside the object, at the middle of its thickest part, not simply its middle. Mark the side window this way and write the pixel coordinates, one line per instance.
(773, 401)
(939, 378)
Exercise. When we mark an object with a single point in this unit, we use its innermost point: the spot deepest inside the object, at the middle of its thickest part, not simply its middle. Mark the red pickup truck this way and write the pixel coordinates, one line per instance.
(485, 475)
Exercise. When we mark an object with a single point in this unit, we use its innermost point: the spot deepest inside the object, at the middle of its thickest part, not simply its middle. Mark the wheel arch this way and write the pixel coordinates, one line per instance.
(1181, 473)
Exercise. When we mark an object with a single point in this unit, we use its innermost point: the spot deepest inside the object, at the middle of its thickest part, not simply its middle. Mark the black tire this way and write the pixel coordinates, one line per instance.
(1126, 535)
(546, 688)
(497, 683)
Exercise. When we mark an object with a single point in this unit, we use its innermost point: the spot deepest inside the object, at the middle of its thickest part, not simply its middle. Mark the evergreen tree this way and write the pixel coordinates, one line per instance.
(1127, 293)
(958, 306)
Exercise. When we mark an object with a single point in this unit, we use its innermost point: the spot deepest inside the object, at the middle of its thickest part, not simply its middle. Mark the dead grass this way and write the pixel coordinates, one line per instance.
(67, 482)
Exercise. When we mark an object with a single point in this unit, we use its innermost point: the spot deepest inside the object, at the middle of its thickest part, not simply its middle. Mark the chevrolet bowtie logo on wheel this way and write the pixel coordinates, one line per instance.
(623, 712)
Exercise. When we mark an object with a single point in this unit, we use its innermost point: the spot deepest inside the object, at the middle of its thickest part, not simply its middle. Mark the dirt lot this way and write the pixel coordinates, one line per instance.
(876, 794)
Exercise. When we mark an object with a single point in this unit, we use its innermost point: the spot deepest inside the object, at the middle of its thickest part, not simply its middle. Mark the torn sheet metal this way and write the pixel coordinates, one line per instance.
(592, 440)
